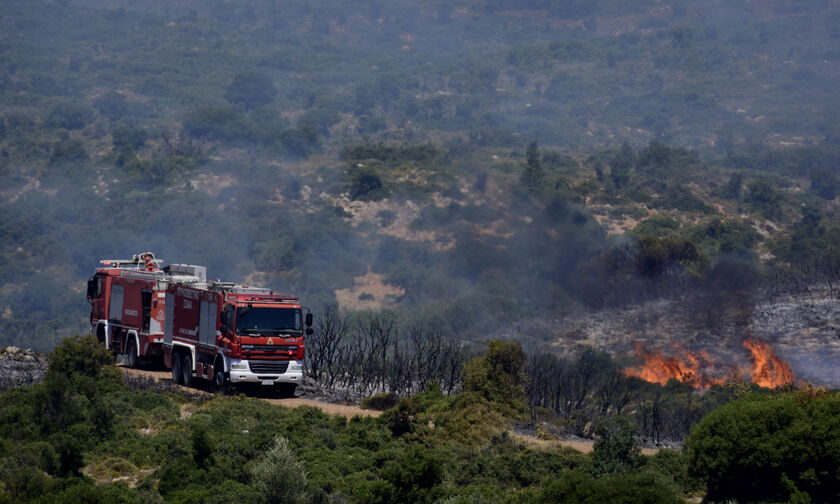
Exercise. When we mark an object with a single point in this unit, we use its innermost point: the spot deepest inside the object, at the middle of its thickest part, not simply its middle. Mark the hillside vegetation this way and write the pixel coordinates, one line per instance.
(83, 436)
(495, 210)
(582, 156)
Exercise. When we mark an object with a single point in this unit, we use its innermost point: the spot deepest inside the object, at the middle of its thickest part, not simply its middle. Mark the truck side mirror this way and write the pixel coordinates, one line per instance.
(309, 320)
(223, 318)
(309, 331)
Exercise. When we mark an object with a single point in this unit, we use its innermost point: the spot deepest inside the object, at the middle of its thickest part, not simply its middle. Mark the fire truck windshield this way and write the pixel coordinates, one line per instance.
(268, 320)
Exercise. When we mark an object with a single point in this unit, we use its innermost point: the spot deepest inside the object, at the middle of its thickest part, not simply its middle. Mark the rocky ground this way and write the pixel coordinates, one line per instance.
(21, 367)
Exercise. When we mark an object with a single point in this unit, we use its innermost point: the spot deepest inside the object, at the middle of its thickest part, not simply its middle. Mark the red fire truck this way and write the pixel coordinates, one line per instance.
(219, 331)
(232, 333)
(126, 312)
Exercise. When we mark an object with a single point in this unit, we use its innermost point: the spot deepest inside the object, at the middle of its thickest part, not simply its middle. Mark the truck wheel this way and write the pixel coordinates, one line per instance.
(177, 376)
(133, 359)
(287, 389)
(219, 378)
(186, 371)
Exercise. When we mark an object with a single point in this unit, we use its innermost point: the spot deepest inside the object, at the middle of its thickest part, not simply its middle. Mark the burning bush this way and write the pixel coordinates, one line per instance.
(700, 370)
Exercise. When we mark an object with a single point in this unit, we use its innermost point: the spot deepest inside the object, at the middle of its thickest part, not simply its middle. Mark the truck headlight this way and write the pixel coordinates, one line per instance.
(239, 366)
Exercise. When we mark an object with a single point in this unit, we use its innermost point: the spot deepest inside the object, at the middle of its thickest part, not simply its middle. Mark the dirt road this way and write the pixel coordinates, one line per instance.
(346, 410)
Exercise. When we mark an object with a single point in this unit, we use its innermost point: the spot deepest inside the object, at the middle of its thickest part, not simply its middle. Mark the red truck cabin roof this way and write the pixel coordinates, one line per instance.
(262, 298)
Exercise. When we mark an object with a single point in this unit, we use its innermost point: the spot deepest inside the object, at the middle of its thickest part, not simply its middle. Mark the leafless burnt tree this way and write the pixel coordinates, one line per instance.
(371, 354)
(325, 345)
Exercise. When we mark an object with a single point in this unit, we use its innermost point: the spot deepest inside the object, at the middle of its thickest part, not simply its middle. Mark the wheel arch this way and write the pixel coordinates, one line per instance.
(182, 347)
(225, 361)
(133, 333)
(102, 325)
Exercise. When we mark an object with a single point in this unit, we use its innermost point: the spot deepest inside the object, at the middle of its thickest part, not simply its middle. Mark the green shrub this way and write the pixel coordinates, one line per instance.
(21, 479)
(413, 478)
(401, 417)
(656, 226)
(114, 467)
(69, 115)
(668, 255)
(126, 137)
(468, 419)
(113, 106)
(297, 142)
(364, 183)
(681, 198)
(616, 450)
(279, 476)
(215, 123)
(70, 454)
(379, 402)
(202, 451)
(579, 488)
(763, 448)
(499, 375)
(533, 178)
(82, 364)
(724, 235)
(251, 90)
(765, 199)
(675, 466)
(68, 152)
(319, 119)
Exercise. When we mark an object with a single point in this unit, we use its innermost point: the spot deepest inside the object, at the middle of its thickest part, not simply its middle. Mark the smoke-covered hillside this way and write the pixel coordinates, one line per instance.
(494, 167)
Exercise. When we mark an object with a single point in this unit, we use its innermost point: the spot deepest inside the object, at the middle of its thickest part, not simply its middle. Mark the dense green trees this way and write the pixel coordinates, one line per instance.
(763, 448)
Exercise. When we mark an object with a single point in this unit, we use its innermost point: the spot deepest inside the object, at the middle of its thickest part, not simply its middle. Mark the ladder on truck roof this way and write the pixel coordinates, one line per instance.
(142, 262)
(239, 292)
(147, 266)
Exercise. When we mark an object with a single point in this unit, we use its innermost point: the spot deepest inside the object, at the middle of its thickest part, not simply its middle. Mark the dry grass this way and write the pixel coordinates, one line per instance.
(369, 292)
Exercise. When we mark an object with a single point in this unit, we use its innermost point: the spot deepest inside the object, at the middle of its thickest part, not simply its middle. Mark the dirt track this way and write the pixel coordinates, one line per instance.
(346, 410)
(351, 410)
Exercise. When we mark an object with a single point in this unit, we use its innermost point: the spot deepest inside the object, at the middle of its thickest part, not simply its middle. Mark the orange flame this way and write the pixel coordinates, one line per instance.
(768, 370)
(698, 370)
(692, 369)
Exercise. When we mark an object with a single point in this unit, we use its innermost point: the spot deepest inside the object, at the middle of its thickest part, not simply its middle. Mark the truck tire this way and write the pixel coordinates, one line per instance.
(186, 371)
(133, 359)
(219, 376)
(286, 389)
(177, 376)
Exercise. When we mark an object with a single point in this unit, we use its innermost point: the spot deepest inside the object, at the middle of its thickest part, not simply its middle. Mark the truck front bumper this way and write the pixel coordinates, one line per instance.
(265, 372)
